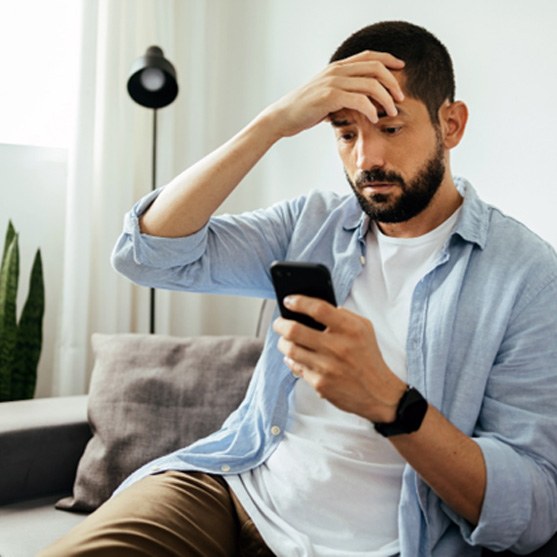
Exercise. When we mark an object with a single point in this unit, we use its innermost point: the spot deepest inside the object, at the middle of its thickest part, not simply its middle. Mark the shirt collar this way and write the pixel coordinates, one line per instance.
(473, 222)
(471, 226)
(356, 218)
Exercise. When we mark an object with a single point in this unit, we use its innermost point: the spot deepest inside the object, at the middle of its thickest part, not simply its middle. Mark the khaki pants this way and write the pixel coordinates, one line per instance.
(172, 514)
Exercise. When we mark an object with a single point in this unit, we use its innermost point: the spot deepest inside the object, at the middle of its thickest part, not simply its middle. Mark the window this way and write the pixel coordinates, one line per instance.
(39, 49)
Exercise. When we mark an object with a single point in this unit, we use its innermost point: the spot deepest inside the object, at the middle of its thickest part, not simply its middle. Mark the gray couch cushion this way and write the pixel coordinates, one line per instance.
(29, 526)
(41, 442)
(150, 395)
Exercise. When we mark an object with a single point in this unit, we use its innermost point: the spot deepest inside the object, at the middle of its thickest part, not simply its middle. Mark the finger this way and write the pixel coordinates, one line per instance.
(358, 102)
(294, 352)
(321, 311)
(309, 367)
(385, 58)
(296, 368)
(301, 372)
(375, 70)
(297, 333)
(303, 358)
(370, 88)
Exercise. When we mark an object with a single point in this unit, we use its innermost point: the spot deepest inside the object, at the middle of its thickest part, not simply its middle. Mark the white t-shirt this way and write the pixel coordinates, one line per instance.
(332, 486)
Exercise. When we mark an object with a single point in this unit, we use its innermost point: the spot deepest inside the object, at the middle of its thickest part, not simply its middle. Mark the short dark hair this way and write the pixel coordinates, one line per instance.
(429, 69)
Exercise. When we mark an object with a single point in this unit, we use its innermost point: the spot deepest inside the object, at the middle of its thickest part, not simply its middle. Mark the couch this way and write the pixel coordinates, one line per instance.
(73, 451)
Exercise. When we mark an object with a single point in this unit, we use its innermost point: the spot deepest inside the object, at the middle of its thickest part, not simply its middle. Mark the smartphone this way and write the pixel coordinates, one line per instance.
(309, 279)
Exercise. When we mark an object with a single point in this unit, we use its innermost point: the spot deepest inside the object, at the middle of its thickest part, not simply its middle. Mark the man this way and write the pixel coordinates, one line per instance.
(422, 421)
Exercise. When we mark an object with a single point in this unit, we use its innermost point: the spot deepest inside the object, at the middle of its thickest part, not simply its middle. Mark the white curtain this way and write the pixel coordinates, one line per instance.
(213, 45)
(109, 168)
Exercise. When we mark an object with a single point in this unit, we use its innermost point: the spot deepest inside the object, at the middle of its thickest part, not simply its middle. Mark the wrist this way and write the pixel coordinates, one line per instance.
(390, 400)
(271, 123)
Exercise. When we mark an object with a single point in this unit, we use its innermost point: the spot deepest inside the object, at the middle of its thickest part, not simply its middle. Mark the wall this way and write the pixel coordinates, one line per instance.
(32, 195)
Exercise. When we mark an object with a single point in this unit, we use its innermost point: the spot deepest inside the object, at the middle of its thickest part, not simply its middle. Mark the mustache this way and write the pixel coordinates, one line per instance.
(366, 177)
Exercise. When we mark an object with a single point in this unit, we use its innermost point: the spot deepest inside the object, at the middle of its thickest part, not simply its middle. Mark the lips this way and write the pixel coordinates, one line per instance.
(375, 187)
(377, 181)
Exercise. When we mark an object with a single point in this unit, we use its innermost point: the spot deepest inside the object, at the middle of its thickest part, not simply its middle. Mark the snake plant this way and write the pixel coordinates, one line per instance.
(20, 341)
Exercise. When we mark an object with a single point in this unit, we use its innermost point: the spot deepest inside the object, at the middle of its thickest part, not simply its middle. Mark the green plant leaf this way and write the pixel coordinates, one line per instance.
(9, 276)
(29, 336)
(10, 233)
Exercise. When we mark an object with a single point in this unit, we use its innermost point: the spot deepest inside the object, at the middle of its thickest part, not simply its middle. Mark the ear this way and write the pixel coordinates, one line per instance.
(453, 117)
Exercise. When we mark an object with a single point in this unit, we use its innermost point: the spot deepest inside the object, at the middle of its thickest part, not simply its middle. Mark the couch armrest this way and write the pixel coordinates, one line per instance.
(265, 318)
(41, 442)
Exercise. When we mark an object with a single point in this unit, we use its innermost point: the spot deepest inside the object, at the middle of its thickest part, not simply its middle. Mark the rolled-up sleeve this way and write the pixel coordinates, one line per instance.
(230, 255)
(141, 257)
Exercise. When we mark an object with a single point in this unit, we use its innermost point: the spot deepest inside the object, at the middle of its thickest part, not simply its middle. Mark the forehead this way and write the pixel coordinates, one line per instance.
(409, 110)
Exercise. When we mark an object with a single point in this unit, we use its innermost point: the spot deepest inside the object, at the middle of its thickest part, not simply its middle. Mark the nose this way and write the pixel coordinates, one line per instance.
(370, 152)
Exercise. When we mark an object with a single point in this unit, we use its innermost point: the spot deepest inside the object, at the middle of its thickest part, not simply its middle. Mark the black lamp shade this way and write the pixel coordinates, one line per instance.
(152, 82)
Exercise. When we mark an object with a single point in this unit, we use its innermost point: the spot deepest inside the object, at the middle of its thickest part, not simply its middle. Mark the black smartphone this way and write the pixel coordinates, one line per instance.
(308, 279)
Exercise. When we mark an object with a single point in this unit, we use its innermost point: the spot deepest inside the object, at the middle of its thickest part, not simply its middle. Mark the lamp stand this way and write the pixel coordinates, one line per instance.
(152, 83)
(153, 186)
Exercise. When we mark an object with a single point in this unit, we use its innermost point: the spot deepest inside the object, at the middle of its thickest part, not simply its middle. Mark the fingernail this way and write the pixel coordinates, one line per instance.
(288, 301)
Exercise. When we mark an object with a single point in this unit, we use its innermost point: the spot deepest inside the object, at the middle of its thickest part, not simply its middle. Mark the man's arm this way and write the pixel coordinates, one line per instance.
(187, 202)
(345, 366)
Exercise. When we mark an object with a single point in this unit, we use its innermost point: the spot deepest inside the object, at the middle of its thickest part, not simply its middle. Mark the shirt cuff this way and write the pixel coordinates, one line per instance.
(159, 252)
(506, 509)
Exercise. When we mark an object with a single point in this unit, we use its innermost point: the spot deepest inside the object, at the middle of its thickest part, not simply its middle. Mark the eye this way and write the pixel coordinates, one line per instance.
(391, 130)
(346, 137)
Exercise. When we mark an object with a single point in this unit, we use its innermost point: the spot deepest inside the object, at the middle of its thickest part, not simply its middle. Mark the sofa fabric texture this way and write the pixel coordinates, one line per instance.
(151, 395)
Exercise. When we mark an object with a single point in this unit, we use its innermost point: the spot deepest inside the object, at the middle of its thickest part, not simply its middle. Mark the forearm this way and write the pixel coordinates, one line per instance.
(187, 202)
(448, 461)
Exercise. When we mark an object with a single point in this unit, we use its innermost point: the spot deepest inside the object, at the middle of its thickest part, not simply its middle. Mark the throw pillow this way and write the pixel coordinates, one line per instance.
(151, 395)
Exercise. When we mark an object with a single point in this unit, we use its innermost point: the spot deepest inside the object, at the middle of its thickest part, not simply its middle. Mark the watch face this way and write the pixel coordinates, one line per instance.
(413, 410)
(410, 413)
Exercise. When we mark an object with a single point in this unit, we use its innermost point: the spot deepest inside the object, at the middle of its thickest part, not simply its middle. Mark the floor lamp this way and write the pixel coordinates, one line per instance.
(152, 83)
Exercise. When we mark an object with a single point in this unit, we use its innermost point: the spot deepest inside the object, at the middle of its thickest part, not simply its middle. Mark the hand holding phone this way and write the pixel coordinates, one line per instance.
(308, 279)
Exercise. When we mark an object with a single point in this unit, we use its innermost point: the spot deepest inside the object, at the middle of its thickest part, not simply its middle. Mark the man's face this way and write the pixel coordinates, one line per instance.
(394, 167)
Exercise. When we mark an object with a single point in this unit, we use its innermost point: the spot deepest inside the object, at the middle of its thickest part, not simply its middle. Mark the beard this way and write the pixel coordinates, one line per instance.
(415, 197)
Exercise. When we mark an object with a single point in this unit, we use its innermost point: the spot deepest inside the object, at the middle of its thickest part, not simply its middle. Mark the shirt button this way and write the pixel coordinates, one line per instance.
(362, 260)
(225, 468)
(275, 430)
(155, 468)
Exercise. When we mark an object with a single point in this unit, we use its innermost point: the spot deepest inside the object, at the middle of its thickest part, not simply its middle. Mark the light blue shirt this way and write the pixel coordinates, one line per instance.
(482, 348)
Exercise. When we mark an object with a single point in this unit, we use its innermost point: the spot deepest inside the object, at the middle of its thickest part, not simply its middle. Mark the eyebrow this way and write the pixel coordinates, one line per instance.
(401, 112)
(341, 122)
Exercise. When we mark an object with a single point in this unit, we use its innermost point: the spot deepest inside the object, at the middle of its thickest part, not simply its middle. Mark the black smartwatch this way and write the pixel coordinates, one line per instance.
(410, 414)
